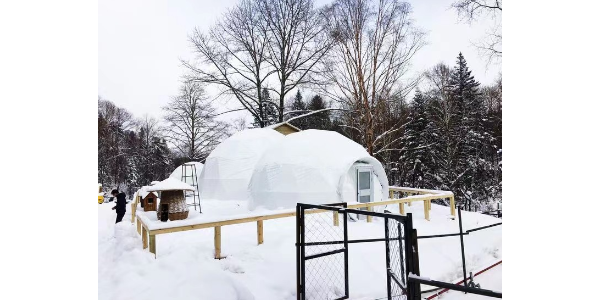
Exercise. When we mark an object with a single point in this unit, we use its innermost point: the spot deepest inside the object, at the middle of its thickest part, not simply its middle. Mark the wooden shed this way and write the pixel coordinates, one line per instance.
(149, 201)
(285, 128)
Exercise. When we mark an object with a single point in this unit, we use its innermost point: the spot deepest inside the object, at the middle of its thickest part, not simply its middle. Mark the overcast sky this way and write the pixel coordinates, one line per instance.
(140, 44)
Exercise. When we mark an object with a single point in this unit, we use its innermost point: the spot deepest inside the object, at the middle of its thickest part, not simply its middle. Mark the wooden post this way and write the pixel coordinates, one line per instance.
(369, 218)
(409, 194)
(336, 218)
(401, 209)
(391, 194)
(144, 238)
(452, 208)
(133, 212)
(153, 244)
(217, 242)
(139, 227)
(259, 228)
(426, 210)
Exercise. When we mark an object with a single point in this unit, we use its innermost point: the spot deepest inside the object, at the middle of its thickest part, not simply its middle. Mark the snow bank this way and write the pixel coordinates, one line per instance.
(185, 268)
(229, 166)
(169, 184)
(310, 166)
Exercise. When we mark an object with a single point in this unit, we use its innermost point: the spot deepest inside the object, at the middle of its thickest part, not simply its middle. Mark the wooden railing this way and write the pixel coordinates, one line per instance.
(411, 195)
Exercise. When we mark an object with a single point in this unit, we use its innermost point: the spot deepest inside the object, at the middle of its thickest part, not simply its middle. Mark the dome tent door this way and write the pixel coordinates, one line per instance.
(364, 184)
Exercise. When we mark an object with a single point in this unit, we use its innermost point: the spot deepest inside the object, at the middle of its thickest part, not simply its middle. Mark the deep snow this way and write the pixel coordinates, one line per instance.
(185, 268)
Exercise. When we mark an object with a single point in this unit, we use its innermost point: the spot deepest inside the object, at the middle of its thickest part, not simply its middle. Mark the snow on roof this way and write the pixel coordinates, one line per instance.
(178, 172)
(154, 182)
(229, 166)
(143, 194)
(309, 167)
(283, 123)
(169, 184)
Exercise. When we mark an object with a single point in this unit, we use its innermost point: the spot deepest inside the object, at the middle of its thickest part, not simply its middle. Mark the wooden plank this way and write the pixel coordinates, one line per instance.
(259, 228)
(452, 208)
(144, 238)
(391, 194)
(291, 214)
(402, 209)
(426, 210)
(369, 218)
(133, 212)
(226, 222)
(336, 218)
(139, 226)
(217, 242)
(153, 244)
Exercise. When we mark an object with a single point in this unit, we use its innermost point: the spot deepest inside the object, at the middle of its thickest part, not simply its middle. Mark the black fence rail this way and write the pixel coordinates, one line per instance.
(468, 285)
(322, 252)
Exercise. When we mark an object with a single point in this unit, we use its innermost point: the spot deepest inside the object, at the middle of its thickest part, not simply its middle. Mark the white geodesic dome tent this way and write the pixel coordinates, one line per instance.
(228, 168)
(313, 166)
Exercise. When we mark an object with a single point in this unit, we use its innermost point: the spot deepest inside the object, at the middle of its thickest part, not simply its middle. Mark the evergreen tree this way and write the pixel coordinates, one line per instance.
(417, 140)
(318, 120)
(473, 139)
(298, 105)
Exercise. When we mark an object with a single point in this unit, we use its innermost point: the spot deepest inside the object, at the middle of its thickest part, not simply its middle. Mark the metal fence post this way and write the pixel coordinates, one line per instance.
(462, 246)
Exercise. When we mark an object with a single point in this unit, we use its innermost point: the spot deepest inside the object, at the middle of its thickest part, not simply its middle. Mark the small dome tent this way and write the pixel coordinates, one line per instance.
(178, 173)
(316, 167)
(229, 166)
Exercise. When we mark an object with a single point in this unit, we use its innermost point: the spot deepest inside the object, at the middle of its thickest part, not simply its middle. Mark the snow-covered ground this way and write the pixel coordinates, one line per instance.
(185, 267)
(489, 280)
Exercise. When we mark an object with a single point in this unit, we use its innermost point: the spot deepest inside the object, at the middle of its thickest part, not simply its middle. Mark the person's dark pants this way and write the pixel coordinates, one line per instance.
(120, 217)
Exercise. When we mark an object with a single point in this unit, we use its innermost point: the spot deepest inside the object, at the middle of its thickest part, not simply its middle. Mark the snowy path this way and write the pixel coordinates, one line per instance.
(185, 268)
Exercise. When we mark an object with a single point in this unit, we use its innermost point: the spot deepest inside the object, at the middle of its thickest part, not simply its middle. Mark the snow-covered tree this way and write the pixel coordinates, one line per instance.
(417, 140)
(269, 110)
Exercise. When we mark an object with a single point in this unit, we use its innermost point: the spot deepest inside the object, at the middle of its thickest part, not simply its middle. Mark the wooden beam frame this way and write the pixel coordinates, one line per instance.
(149, 236)
(152, 239)
(218, 242)
(144, 238)
(259, 229)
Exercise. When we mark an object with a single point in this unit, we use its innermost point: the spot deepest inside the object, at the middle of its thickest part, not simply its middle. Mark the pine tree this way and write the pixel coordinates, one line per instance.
(318, 120)
(298, 105)
(472, 136)
(417, 140)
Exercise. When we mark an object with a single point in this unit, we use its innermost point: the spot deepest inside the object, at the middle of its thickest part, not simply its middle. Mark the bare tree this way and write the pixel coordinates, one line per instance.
(192, 128)
(297, 42)
(232, 56)
(471, 10)
(239, 124)
(374, 43)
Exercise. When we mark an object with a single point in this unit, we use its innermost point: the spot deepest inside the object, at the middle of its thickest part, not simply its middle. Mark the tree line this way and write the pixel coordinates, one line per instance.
(351, 59)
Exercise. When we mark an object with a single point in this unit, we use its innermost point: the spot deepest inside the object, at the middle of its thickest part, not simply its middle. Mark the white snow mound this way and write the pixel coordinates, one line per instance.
(169, 184)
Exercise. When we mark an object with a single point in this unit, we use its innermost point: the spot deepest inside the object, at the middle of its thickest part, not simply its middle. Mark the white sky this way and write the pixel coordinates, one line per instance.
(140, 44)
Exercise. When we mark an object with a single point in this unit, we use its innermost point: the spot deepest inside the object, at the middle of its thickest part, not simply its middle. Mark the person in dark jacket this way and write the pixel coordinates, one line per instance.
(120, 207)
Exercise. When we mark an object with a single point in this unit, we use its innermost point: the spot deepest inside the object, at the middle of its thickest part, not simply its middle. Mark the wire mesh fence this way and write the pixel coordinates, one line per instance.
(396, 250)
(322, 251)
(325, 257)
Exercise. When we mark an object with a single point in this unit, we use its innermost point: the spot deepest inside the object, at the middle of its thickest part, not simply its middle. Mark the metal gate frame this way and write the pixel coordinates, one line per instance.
(408, 255)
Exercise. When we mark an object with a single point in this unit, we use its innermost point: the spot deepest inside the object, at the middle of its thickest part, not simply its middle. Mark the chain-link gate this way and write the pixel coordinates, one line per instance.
(322, 252)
